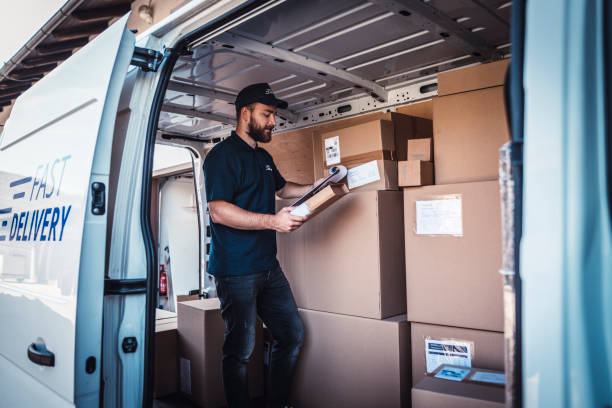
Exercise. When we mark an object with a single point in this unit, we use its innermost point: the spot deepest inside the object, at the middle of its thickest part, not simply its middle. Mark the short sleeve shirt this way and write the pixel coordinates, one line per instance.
(246, 177)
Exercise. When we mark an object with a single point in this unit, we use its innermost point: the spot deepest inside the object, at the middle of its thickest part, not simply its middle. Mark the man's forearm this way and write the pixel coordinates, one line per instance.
(233, 216)
(293, 190)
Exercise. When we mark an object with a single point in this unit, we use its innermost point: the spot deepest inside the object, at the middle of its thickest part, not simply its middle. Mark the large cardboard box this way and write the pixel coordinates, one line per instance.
(166, 378)
(443, 345)
(404, 127)
(372, 176)
(201, 329)
(414, 173)
(472, 78)
(352, 362)
(349, 258)
(433, 392)
(469, 129)
(453, 255)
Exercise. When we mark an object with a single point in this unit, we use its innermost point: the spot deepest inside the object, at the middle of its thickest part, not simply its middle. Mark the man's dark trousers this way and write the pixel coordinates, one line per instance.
(268, 295)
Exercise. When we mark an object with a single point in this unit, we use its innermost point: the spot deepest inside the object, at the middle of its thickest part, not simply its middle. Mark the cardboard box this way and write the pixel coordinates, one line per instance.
(293, 154)
(413, 173)
(453, 255)
(166, 377)
(352, 362)
(404, 127)
(438, 393)
(420, 149)
(360, 177)
(320, 201)
(472, 78)
(486, 348)
(358, 144)
(349, 258)
(469, 130)
(186, 298)
(201, 329)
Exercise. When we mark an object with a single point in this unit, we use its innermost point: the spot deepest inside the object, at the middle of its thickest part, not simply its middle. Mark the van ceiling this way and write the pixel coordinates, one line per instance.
(321, 53)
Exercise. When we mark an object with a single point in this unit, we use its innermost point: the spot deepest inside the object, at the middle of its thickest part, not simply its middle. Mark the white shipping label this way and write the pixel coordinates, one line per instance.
(439, 217)
(185, 376)
(332, 150)
(438, 352)
(453, 373)
(493, 378)
(301, 210)
(364, 174)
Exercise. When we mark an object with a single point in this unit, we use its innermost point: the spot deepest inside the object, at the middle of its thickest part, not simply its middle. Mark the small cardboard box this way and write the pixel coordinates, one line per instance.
(372, 176)
(453, 255)
(352, 362)
(472, 78)
(320, 201)
(469, 130)
(166, 378)
(434, 345)
(433, 392)
(349, 258)
(420, 149)
(368, 142)
(414, 173)
(201, 330)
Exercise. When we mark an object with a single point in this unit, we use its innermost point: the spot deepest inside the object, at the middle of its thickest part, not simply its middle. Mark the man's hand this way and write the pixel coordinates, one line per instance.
(283, 221)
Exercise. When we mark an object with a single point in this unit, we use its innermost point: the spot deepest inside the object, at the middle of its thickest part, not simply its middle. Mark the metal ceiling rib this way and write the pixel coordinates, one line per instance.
(70, 28)
(317, 54)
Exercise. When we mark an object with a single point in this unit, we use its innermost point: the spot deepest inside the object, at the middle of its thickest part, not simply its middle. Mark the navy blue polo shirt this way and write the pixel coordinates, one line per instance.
(247, 177)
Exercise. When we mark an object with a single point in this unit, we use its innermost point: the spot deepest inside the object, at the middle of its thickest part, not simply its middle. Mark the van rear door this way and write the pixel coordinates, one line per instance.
(54, 168)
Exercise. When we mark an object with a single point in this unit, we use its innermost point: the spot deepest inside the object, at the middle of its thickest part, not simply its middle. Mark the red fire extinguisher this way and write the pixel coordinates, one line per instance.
(163, 281)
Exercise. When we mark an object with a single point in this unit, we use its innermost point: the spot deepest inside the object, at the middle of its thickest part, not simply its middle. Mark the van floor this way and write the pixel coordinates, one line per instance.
(180, 401)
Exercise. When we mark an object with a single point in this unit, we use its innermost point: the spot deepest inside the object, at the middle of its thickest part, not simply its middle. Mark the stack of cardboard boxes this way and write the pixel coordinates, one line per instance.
(453, 236)
(346, 268)
(441, 242)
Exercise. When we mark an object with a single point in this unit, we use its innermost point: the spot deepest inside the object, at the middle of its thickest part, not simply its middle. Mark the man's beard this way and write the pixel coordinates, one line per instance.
(260, 134)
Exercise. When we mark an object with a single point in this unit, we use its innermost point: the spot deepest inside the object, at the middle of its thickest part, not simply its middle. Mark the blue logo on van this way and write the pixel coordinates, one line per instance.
(43, 224)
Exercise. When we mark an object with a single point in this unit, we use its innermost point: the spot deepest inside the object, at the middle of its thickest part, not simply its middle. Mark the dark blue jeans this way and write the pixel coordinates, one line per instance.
(268, 295)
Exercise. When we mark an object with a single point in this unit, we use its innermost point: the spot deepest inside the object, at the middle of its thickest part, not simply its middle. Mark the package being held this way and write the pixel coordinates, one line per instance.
(321, 200)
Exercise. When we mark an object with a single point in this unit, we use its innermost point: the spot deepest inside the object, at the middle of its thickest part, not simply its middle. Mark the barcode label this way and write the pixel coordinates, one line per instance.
(332, 150)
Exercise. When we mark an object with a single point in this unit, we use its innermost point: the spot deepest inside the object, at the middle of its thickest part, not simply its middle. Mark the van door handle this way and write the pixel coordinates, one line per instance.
(38, 354)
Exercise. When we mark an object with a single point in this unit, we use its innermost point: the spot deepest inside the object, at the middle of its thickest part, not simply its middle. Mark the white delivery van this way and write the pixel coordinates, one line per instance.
(78, 264)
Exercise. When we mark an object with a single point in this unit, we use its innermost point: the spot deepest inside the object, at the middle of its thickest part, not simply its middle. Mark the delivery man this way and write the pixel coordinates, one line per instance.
(241, 181)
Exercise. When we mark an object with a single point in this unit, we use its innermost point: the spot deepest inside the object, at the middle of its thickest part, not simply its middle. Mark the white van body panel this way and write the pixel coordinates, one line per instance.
(47, 154)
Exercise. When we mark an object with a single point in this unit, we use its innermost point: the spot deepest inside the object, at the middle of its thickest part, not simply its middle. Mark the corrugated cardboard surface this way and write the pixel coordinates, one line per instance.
(420, 149)
(404, 127)
(166, 359)
(387, 171)
(469, 129)
(420, 109)
(325, 198)
(201, 329)
(293, 154)
(455, 280)
(413, 173)
(488, 352)
(352, 362)
(438, 393)
(472, 78)
(349, 258)
(361, 139)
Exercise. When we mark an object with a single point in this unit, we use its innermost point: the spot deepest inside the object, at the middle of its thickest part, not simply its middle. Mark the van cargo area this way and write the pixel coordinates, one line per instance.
(390, 284)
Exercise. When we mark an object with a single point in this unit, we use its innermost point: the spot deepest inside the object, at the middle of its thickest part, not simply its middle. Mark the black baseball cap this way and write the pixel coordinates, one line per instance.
(261, 93)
